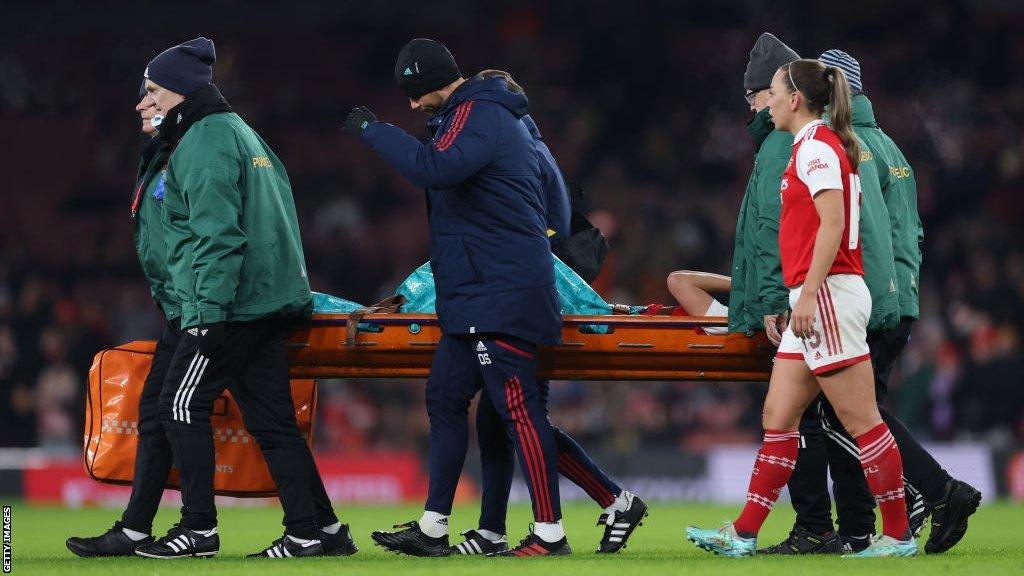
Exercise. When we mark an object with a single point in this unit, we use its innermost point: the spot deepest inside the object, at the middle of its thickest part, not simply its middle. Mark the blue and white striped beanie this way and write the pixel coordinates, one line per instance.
(847, 63)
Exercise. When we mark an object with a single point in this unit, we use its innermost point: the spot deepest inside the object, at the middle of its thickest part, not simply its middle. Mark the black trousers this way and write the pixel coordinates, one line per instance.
(153, 455)
(177, 402)
(839, 455)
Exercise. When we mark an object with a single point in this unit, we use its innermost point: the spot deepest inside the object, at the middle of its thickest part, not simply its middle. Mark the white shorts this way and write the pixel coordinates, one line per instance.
(840, 326)
(717, 309)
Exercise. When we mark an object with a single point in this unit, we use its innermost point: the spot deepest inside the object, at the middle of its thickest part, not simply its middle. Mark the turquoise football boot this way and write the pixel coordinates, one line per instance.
(724, 541)
(886, 547)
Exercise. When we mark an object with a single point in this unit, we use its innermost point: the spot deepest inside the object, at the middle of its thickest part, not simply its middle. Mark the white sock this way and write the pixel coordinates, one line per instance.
(333, 528)
(622, 502)
(549, 531)
(434, 524)
(133, 534)
(206, 533)
(302, 541)
(864, 540)
(492, 536)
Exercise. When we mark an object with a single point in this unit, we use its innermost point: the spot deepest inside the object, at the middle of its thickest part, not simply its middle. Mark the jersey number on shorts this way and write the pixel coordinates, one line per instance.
(814, 340)
(854, 211)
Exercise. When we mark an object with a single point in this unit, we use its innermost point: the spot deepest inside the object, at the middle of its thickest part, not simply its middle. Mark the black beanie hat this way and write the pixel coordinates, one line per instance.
(768, 54)
(423, 66)
(184, 68)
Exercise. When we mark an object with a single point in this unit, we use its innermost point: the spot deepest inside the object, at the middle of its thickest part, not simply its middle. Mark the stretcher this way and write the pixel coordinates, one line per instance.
(386, 345)
(630, 348)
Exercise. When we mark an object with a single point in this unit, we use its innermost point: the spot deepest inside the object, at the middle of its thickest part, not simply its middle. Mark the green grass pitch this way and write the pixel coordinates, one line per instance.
(994, 545)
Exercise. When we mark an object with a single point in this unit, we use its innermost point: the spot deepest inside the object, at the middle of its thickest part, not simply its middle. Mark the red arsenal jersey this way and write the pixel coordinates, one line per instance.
(818, 163)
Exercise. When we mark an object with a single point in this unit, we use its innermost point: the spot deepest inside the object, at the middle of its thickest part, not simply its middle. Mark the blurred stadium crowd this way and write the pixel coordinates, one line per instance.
(642, 105)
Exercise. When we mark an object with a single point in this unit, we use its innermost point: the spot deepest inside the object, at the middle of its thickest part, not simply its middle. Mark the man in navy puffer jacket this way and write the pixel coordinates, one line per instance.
(557, 205)
(496, 297)
(623, 511)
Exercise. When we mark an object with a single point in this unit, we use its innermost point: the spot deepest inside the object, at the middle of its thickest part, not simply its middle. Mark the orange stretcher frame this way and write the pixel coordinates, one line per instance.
(636, 348)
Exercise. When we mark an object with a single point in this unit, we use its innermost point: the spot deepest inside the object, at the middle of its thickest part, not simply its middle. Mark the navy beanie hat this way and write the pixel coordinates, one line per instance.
(184, 68)
(423, 66)
(848, 64)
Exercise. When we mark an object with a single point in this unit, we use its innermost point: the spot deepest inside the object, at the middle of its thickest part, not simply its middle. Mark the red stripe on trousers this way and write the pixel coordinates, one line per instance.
(511, 398)
(461, 115)
(565, 467)
(581, 476)
(513, 349)
(835, 323)
(568, 467)
(530, 444)
(531, 432)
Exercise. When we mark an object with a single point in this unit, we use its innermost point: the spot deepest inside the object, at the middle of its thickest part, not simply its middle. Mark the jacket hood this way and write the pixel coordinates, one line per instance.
(863, 112)
(491, 90)
(532, 127)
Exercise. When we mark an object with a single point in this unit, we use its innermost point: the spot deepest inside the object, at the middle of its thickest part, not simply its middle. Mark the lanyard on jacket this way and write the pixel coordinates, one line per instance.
(137, 198)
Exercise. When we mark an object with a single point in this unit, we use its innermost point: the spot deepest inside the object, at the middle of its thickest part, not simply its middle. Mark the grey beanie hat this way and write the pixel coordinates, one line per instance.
(768, 54)
(849, 66)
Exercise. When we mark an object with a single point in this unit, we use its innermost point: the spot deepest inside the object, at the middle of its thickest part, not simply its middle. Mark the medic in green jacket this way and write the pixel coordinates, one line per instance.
(899, 190)
(757, 289)
(234, 249)
(876, 246)
(147, 209)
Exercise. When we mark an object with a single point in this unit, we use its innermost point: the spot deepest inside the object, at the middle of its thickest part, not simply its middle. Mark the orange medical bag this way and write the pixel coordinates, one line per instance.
(116, 379)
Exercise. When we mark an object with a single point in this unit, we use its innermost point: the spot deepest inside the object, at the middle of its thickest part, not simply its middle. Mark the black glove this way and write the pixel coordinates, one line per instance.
(211, 338)
(358, 119)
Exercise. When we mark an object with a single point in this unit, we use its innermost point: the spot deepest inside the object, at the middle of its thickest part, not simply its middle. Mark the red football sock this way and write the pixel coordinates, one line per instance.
(772, 469)
(883, 468)
(652, 309)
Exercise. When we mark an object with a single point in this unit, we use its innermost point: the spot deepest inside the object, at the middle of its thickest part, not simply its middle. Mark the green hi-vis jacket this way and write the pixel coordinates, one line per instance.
(899, 189)
(233, 237)
(876, 247)
(757, 288)
(150, 241)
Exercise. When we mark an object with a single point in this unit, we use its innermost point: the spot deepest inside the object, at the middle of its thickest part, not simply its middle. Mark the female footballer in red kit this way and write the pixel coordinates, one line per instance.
(824, 348)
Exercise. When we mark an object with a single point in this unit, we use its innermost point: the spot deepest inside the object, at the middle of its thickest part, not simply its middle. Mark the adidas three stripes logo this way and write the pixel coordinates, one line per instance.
(187, 387)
